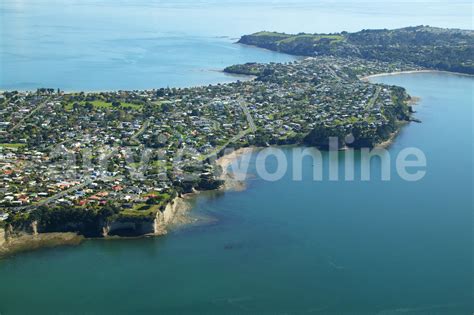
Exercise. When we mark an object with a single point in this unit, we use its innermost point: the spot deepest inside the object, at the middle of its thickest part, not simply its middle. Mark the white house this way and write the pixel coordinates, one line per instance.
(3, 216)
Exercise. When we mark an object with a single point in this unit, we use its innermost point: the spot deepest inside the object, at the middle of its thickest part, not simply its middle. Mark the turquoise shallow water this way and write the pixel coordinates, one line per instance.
(108, 45)
(292, 247)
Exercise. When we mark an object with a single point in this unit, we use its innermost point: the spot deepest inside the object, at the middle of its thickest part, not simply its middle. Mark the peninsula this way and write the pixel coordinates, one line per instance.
(424, 46)
(116, 163)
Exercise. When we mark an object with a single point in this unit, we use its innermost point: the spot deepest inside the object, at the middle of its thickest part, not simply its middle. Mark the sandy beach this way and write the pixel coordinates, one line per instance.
(227, 175)
(367, 78)
(176, 214)
(177, 211)
(387, 143)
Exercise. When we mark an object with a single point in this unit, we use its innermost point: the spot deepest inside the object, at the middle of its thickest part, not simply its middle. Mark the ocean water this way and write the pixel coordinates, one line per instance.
(297, 247)
(109, 45)
(291, 247)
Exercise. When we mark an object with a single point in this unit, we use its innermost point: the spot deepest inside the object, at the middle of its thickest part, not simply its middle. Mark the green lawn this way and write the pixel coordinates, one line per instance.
(12, 145)
(161, 102)
(275, 34)
(315, 38)
(141, 210)
(105, 105)
(159, 164)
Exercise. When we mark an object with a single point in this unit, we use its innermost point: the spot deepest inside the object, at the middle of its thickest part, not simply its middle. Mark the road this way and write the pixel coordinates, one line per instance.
(85, 182)
(338, 78)
(141, 130)
(374, 98)
(40, 106)
(252, 129)
(235, 138)
(246, 111)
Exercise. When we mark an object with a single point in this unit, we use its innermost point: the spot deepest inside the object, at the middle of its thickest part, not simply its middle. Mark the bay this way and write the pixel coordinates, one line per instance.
(371, 247)
(330, 247)
(95, 45)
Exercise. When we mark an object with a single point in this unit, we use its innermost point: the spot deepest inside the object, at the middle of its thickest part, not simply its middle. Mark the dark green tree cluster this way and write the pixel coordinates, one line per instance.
(73, 219)
(430, 47)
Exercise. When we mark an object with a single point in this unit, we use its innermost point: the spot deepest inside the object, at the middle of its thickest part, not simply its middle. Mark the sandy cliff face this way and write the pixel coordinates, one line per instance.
(2, 237)
(163, 219)
(34, 227)
(8, 234)
(175, 212)
(158, 226)
(105, 230)
(29, 238)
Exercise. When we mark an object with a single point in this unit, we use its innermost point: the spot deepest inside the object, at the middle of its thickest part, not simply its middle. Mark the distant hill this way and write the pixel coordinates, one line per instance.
(430, 47)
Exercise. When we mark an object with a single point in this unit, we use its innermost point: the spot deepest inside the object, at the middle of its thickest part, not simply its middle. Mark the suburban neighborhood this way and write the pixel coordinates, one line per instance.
(140, 149)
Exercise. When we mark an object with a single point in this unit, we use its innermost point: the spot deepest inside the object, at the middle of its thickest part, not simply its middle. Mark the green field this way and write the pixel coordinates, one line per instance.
(105, 105)
(140, 210)
(286, 38)
(315, 38)
(12, 145)
(273, 34)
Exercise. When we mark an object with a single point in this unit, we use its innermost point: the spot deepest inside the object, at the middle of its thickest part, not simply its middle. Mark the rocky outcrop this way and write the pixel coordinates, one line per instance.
(105, 230)
(157, 226)
(34, 227)
(30, 237)
(22, 241)
(8, 233)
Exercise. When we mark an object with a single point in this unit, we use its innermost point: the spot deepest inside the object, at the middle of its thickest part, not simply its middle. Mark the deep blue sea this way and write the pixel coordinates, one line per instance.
(96, 45)
(283, 247)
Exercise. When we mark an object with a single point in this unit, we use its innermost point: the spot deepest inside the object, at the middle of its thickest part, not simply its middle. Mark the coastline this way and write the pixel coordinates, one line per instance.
(384, 74)
(387, 143)
(244, 77)
(28, 242)
(174, 215)
(176, 212)
(235, 77)
(225, 161)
